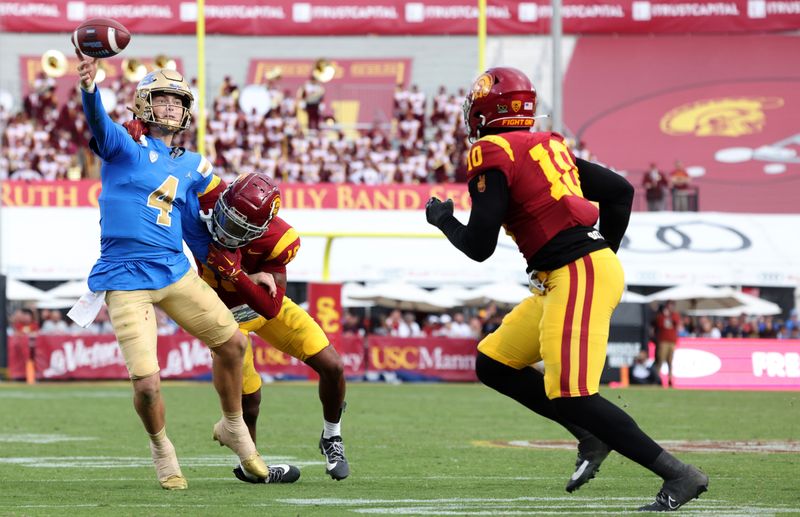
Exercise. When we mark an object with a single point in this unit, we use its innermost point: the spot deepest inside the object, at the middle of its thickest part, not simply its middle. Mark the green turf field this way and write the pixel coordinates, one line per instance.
(422, 449)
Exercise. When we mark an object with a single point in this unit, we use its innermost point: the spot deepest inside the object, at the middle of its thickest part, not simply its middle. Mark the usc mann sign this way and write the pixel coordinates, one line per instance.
(433, 358)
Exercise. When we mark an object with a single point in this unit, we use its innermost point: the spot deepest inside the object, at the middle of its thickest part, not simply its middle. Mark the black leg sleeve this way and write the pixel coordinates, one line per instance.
(526, 386)
(611, 424)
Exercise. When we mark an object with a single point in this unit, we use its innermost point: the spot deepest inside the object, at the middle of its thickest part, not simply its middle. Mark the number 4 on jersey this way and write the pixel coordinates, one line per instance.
(162, 198)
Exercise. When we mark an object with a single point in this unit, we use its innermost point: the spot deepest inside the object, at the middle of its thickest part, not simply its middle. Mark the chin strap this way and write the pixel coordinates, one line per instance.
(478, 129)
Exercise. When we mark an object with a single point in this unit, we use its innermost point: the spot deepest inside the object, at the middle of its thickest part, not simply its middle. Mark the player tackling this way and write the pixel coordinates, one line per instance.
(250, 243)
(530, 184)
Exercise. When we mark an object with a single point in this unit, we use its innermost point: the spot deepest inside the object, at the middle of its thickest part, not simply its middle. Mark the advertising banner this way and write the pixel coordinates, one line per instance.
(60, 358)
(273, 362)
(18, 353)
(423, 359)
(325, 306)
(180, 356)
(737, 364)
(84, 193)
(402, 17)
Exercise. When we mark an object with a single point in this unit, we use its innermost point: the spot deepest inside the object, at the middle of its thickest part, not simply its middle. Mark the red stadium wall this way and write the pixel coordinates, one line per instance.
(398, 17)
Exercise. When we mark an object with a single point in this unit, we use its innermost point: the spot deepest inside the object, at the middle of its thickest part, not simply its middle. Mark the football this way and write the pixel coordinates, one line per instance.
(101, 37)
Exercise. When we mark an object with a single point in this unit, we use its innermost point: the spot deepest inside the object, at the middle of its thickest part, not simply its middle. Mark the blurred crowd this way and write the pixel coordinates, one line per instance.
(744, 326)
(425, 142)
(469, 324)
(29, 320)
(466, 324)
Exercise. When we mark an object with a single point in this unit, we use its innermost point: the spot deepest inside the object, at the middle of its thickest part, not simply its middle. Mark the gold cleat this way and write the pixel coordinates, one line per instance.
(255, 465)
(168, 470)
(244, 447)
(174, 482)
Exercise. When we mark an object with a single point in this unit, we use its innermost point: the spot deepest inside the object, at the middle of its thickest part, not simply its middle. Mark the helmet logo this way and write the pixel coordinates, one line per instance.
(482, 86)
(502, 108)
(276, 205)
(149, 78)
(516, 105)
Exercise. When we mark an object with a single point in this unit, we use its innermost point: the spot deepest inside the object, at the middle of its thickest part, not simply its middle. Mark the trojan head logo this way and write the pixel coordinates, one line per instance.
(482, 86)
(720, 117)
(276, 206)
(482, 183)
(516, 105)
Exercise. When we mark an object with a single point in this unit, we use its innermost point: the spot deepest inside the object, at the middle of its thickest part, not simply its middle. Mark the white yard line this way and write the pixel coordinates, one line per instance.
(118, 462)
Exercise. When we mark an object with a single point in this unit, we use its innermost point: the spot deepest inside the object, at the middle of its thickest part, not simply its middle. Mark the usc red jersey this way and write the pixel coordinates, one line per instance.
(269, 253)
(545, 196)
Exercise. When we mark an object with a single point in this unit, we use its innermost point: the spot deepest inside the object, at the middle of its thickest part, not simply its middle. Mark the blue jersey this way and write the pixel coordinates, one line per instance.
(195, 230)
(145, 188)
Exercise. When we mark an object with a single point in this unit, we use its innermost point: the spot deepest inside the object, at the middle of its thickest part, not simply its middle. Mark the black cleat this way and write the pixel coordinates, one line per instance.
(280, 473)
(335, 463)
(677, 492)
(591, 454)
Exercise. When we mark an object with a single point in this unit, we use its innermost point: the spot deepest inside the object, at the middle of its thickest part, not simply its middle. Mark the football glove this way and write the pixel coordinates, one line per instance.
(226, 263)
(436, 211)
(136, 128)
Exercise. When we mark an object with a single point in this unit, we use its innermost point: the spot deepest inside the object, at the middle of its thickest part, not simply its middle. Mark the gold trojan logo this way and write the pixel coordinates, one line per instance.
(720, 117)
(276, 206)
(327, 314)
(482, 86)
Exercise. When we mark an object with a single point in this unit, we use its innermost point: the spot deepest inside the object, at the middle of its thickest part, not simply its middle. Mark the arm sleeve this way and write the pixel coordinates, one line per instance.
(258, 298)
(478, 239)
(109, 139)
(615, 196)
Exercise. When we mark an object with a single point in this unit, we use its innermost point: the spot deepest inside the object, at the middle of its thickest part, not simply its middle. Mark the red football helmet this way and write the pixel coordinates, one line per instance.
(243, 212)
(501, 97)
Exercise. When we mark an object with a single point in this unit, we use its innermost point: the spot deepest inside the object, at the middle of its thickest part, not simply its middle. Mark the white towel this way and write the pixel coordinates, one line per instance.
(86, 308)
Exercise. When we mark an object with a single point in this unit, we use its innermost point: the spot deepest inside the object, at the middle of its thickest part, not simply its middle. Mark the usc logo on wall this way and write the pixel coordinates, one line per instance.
(394, 358)
(731, 117)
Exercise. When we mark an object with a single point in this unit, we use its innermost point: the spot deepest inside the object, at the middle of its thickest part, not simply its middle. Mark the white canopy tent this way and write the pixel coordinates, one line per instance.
(751, 306)
(697, 298)
(20, 291)
(351, 289)
(631, 297)
(69, 290)
(456, 292)
(403, 296)
(502, 293)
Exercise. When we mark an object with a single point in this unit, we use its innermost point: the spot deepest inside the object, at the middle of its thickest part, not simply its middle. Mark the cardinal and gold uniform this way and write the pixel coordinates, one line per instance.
(566, 324)
(293, 331)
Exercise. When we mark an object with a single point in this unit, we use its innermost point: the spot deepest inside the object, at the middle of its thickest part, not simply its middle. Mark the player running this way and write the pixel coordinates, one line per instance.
(530, 184)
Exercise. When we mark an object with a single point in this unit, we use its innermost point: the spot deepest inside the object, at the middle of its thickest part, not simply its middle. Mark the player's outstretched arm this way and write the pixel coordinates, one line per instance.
(615, 196)
(109, 138)
(478, 239)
